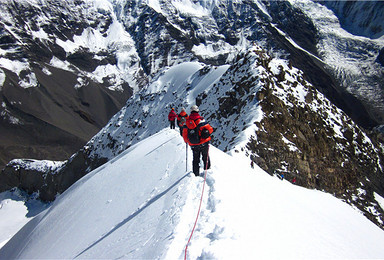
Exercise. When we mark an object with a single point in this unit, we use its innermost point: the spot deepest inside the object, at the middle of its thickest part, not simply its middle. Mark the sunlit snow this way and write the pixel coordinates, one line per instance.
(143, 203)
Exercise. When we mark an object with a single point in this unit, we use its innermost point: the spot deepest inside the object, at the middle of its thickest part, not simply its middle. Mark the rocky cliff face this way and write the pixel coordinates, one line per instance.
(301, 133)
(61, 76)
(307, 138)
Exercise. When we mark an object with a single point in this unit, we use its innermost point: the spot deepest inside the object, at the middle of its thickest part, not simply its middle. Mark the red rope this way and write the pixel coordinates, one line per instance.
(198, 212)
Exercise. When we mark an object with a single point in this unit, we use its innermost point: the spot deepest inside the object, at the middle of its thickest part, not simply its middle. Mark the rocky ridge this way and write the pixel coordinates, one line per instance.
(307, 138)
(301, 133)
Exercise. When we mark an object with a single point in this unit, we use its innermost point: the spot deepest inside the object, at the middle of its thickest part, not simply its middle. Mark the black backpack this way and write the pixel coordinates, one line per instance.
(193, 132)
(193, 135)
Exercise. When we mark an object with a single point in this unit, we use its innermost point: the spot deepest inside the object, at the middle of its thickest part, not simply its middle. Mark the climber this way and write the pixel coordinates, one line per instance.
(181, 118)
(197, 133)
(171, 118)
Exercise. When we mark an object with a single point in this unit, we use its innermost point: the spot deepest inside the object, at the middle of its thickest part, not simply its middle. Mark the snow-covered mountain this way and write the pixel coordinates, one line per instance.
(261, 108)
(78, 61)
(143, 205)
(268, 77)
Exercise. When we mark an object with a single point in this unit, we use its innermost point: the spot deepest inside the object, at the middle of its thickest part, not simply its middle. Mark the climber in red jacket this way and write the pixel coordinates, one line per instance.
(181, 119)
(171, 118)
(197, 133)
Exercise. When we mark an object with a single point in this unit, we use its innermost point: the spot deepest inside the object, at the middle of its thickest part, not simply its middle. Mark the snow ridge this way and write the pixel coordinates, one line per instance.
(142, 205)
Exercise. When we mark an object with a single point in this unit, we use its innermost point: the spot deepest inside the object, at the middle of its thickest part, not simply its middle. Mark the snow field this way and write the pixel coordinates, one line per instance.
(247, 214)
(143, 204)
(12, 215)
(108, 213)
(251, 215)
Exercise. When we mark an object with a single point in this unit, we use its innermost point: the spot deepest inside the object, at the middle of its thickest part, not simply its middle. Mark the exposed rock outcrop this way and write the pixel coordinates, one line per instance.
(306, 137)
(46, 178)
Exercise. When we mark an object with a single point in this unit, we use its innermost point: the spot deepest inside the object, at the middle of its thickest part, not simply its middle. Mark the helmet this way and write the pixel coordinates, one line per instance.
(195, 108)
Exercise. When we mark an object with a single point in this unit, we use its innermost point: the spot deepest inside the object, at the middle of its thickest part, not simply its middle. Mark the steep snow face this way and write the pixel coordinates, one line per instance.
(143, 204)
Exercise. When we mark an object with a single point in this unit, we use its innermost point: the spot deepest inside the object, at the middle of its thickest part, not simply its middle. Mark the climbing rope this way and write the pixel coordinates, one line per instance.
(198, 212)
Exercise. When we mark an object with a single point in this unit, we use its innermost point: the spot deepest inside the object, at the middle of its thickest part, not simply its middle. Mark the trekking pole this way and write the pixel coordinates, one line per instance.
(186, 157)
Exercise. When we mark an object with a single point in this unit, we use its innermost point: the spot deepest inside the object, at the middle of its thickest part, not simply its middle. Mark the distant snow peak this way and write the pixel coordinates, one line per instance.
(190, 8)
(155, 5)
(215, 50)
(186, 8)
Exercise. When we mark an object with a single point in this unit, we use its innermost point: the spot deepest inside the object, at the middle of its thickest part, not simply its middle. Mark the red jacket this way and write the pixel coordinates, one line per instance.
(180, 117)
(172, 115)
(194, 116)
(200, 122)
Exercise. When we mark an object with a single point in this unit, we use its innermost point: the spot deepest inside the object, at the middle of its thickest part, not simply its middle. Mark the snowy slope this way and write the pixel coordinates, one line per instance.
(143, 203)
(12, 215)
(16, 209)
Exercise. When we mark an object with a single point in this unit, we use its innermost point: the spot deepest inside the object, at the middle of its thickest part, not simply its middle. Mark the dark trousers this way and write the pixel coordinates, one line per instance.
(181, 130)
(200, 150)
(173, 125)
